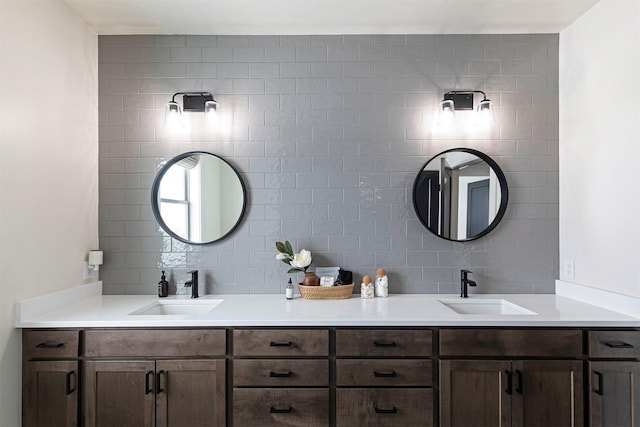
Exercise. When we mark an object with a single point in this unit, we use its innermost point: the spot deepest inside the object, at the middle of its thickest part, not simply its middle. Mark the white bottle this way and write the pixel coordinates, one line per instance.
(288, 292)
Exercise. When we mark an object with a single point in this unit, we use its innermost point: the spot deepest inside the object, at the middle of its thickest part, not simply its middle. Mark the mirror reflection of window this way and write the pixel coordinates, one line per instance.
(174, 205)
(198, 198)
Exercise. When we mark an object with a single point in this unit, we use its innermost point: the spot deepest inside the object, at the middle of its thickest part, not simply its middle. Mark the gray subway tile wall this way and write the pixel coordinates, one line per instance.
(328, 133)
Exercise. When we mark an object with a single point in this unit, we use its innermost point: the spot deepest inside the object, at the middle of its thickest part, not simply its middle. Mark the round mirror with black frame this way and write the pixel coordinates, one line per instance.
(198, 198)
(460, 194)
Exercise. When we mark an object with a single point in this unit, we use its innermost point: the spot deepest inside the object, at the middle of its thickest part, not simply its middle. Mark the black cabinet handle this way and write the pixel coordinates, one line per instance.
(159, 388)
(599, 390)
(384, 343)
(509, 388)
(391, 374)
(50, 344)
(68, 388)
(392, 410)
(281, 411)
(520, 385)
(280, 344)
(280, 374)
(147, 382)
(618, 344)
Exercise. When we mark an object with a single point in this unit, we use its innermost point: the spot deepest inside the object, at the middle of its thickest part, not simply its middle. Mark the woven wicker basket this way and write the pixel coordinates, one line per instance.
(326, 292)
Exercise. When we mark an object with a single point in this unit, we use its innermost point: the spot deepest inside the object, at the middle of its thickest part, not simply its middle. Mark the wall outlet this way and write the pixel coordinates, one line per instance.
(569, 269)
(87, 272)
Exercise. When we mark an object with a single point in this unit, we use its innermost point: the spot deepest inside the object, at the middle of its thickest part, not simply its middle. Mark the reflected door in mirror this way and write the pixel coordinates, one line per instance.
(460, 194)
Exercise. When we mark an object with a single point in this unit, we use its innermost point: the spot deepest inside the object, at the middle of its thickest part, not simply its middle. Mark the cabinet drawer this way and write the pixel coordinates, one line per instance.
(50, 344)
(281, 342)
(384, 407)
(307, 407)
(155, 343)
(511, 342)
(278, 372)
(384, 372)
(383, 342)
(622, 344)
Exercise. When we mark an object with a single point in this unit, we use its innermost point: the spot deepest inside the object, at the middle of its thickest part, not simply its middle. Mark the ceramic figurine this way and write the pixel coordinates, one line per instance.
(366, 288)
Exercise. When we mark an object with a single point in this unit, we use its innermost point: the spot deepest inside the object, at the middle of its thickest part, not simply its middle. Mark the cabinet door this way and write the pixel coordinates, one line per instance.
(615, 394)
(190, 393)
(475, 393)
(50, 394)
(548, 393)
(119, 393)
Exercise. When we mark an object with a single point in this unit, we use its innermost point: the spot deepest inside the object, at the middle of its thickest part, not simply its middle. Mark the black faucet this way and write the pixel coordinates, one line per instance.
(464, 282)
(193, 283)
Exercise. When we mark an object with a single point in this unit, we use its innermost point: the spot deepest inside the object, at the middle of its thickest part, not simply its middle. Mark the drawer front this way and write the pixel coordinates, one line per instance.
(155, 343)
(511, 342)
(384, 407)
(384, 372)
(280, 373)
(307, 407)
(383, 342)
(281, 342)
(622, 344)
(50, 344)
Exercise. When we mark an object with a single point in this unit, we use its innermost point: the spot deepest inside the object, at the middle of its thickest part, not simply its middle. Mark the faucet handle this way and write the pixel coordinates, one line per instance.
(466, 271)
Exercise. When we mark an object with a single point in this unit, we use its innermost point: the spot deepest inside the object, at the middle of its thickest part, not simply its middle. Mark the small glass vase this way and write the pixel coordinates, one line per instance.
(310, 279)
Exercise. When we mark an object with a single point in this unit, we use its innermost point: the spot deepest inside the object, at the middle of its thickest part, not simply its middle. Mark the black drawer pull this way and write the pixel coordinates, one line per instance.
(280, 344)
(281, 411)
(147, 382)
(68, 388)
(618, 344)
(384, 343)
(599, 390)
(50, 344)
(280, 374)
(159, 388)
(509, 388)
(519, 387)
(393, 410)
(391, 374)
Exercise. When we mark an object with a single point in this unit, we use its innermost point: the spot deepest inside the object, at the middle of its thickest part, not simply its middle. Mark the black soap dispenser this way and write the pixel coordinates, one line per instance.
(163, 287)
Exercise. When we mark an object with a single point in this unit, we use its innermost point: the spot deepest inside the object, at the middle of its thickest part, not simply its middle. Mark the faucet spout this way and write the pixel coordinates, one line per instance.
(465, 282)
(193, 283)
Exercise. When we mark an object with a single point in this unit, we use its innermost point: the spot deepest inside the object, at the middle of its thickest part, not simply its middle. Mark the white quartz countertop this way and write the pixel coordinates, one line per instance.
(274, 310)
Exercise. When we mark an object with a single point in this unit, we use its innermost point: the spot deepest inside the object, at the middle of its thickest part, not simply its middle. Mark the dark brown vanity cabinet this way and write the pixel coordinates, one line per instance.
(487, 377)
(614, 378)
(50, 378)
(158, 378)
(281, 377)
(384, 377)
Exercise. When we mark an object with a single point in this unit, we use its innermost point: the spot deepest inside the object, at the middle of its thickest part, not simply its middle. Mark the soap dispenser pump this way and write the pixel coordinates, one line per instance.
(163, 287)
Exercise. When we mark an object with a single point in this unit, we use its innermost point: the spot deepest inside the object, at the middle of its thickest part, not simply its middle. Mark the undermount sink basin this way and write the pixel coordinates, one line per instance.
(485, 306)
(178, 307)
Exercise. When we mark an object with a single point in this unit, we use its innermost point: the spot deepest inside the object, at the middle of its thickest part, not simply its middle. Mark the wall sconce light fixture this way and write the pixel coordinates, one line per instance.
(198, 102)
(461, 100)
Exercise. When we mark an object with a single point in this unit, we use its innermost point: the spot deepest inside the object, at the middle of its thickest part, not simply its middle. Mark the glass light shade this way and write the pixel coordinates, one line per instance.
(446, 112)
(211, 112)
(485, 112)
(173, 114)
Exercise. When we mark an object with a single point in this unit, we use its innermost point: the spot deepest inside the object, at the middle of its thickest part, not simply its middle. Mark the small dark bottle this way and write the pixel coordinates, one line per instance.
(163, 287)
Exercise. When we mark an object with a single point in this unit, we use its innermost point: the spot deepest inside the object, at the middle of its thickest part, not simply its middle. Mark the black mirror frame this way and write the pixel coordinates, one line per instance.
(504, 192)
(156, 186)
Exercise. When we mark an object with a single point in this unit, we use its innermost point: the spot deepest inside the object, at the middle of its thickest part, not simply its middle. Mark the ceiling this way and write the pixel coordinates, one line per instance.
(328, 16)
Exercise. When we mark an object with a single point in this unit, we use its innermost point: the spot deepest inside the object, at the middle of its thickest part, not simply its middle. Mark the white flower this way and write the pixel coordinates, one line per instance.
(282, 256)
(302, 259)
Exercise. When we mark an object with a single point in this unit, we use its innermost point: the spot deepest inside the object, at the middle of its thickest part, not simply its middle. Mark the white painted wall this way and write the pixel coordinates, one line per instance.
(48, 165)
(600, 147)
